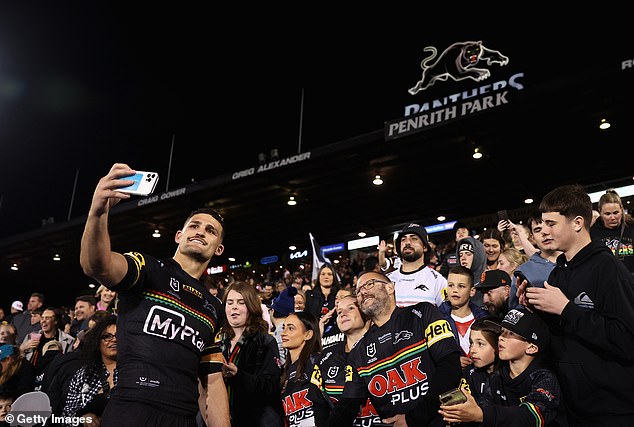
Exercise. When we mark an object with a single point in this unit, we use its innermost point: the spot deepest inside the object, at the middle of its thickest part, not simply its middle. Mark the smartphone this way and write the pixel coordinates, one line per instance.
(520, 278)
(503, 215)
(144, 183)
(453, 397)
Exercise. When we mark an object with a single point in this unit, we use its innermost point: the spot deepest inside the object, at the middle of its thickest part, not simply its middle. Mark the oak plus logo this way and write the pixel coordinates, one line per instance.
(165, 323)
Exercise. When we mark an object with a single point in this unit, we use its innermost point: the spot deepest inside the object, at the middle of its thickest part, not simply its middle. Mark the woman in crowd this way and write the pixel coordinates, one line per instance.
(7, 333)
(615, 228)
(353, 324)
(494, 244)
(91, 385)
(300, 375)
(17, 374)
(106, 299)
(300, 300)
(508, 261)
(251, 372)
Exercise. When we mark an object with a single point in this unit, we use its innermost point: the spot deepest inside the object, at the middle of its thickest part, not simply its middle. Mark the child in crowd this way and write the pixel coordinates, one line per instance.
(458, 308)
(6, 400)
(483, 351)
(524, 389)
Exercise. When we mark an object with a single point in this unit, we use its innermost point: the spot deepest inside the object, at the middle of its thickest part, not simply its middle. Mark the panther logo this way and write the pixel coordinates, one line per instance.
(459, 61)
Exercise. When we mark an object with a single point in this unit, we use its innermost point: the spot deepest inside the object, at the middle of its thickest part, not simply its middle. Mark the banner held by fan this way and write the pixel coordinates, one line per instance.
(319, 259)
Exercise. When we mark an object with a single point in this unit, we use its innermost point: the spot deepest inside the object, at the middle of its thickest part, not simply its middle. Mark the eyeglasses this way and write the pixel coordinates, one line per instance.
(370, 284)
(108, 337)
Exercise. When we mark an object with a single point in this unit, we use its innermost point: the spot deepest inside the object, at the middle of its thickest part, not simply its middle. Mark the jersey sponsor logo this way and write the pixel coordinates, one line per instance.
(298, 407)
(437, 331)
(404, 383)
(385, 338)
(348, 373)
(192, 290)
(174, 284)
(402, 336)
(165, 323)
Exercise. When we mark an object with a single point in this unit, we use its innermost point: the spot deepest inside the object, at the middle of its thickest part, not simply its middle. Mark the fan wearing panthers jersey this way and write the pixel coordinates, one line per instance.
(415, 281)
(168, 326)
(406, 359)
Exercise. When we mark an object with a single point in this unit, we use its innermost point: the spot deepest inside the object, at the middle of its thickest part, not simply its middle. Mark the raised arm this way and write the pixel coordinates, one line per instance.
(96, 257)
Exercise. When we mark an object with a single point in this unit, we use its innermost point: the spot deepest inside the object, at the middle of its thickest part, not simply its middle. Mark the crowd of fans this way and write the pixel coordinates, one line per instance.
(286, 334)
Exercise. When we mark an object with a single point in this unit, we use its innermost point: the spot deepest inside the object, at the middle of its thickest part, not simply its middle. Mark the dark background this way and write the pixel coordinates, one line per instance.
(196, 92)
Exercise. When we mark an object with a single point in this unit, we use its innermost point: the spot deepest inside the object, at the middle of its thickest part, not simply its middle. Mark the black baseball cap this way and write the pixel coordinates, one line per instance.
(527, 325)
(492, 279)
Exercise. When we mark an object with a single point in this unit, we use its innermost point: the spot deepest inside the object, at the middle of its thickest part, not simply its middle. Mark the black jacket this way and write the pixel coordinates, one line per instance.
(254, 392)
(593, 339)
(533, 398)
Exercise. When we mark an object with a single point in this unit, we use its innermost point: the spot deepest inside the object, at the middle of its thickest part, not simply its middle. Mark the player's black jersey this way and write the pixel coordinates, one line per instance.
(168, 325)
(395, 363)
(332, 364)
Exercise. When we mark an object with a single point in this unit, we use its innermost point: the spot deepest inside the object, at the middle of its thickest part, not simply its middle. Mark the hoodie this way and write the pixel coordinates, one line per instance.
(593, 339)
(478, 265)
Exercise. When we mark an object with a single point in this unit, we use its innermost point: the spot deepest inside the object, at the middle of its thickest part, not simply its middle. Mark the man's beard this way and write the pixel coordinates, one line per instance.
(411, 257)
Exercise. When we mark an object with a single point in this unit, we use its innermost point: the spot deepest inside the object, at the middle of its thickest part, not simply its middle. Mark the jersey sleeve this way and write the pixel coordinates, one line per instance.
(211, 359)
(133, 280)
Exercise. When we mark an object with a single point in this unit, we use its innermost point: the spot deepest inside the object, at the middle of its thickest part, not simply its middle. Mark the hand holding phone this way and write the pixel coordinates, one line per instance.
(452, 397)
(144, 183)
(521, 278)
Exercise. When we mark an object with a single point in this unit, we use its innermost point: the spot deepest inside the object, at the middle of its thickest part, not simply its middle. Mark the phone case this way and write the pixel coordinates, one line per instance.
(144, 183)
(452, 397)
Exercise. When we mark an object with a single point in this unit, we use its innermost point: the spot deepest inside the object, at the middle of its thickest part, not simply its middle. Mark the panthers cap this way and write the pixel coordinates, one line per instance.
(412, 228)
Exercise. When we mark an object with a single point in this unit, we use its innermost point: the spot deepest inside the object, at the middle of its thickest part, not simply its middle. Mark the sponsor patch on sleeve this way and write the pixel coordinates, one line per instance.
(436, 331)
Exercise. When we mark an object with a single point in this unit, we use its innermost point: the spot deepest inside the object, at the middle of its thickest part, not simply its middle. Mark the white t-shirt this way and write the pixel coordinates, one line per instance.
(425, 284)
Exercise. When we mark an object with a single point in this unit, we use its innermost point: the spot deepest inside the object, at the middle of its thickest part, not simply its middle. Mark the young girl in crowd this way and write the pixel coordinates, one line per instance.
(300, 375)
(251, 370)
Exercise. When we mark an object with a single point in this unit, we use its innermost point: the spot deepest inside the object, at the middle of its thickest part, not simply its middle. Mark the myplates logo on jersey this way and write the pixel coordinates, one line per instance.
(165, 323)
(404, 383)
(370, 350)
(299, 409)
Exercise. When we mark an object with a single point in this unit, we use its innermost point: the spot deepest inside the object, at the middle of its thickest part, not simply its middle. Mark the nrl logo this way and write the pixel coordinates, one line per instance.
(371, 350)
(461, 60)
(332, 371)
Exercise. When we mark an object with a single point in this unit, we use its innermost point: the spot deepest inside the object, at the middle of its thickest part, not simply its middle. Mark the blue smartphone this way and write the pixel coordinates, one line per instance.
(144, 183)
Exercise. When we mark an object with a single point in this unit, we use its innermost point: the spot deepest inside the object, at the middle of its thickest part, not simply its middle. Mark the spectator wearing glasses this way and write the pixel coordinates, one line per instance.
(91, 385)
(404, 361)
(163, 370)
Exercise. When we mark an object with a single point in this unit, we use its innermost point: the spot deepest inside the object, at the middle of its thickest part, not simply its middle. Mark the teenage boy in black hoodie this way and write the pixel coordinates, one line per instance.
(588, 303)
(524, 391)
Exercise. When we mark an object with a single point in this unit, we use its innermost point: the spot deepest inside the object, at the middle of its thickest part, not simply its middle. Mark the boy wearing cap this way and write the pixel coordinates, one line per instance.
(415, 281)
(495, 286)
(524, 391)
(281, 307)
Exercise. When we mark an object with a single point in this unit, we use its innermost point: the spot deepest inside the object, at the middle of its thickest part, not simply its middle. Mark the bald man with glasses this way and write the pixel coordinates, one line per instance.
(406, 359)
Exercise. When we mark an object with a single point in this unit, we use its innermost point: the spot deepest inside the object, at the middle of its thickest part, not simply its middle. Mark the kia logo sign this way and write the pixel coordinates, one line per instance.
(298, 254)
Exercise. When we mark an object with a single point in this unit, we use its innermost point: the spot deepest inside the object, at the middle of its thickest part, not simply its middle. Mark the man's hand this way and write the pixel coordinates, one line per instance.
(549, 299)
(106, 194)
(397, 420)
